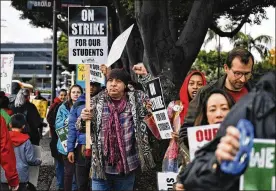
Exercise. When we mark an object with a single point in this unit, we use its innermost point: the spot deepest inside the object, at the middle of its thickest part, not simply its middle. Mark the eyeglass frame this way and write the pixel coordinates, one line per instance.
(242, 74)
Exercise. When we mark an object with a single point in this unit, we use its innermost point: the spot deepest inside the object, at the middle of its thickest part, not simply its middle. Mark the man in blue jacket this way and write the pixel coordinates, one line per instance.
(82, 165)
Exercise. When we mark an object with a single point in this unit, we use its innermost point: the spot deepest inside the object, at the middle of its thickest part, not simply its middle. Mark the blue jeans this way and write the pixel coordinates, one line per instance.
(59, 174)
(114, 182)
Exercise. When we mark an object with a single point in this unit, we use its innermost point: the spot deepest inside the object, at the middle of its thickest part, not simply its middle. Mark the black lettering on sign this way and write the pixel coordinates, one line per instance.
(160, 116)
(87, 52)
(98, 74)
(164, 126)
(95, 67)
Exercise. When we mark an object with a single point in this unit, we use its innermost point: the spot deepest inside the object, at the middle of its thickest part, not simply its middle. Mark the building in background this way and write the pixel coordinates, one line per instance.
(32, 63)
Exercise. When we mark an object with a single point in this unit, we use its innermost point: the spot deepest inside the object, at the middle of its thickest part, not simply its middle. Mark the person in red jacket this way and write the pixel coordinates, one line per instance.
(189, 89)
(8, 161)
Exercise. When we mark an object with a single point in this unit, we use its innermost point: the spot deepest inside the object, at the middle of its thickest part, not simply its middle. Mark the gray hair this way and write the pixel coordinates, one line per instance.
(21, 97)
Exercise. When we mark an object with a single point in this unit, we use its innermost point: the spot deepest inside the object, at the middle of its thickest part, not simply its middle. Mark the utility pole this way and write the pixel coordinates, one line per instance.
(54, 53)
(219, 58)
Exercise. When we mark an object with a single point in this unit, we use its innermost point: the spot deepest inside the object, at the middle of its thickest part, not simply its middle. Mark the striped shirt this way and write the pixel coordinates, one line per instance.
(127, 126)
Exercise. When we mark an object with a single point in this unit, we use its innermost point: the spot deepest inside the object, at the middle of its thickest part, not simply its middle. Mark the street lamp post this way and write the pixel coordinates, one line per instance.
(54, 53)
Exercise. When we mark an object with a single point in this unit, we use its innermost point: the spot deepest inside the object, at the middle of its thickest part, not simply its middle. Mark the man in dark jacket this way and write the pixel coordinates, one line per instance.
(259, 107)
(238, 69)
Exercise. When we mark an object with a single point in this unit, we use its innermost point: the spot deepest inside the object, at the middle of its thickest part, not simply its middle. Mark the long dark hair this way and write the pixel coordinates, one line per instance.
(201, 118)
(69, 93)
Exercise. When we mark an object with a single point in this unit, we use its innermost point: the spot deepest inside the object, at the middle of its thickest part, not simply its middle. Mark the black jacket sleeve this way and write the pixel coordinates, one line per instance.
(34, 121)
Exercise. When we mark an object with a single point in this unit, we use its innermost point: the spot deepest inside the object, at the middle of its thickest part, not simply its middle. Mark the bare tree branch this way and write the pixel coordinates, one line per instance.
(221, 33)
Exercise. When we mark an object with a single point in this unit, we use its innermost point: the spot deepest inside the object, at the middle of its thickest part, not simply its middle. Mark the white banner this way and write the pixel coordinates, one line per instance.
(96, 74)
(7, 65)
(88, 34)
(166, 180)
(199, 136)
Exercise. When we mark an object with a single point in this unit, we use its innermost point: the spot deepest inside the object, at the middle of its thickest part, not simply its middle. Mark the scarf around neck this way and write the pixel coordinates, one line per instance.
(114, 146)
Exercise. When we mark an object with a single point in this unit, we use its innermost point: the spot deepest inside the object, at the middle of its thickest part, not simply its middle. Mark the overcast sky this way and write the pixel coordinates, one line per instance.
(18, 30)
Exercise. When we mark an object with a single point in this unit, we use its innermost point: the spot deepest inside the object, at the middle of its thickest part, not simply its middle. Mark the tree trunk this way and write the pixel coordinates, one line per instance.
(162, 56)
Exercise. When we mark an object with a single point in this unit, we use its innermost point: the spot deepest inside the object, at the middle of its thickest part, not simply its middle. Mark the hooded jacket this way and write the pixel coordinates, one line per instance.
(184, 95)
(73, 134)
(24, 154)
(7, 159)
(259, 107)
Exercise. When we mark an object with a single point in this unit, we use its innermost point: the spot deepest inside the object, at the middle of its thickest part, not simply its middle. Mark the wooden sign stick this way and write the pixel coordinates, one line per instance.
(87, 105)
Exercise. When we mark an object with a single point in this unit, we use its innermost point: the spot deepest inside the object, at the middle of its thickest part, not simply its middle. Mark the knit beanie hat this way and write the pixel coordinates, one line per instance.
(120, 74)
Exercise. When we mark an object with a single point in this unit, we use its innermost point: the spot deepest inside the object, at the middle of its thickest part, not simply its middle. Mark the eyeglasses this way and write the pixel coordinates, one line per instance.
(238, 75)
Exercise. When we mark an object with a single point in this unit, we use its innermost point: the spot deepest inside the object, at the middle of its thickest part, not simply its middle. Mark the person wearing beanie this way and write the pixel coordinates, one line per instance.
(119, 135)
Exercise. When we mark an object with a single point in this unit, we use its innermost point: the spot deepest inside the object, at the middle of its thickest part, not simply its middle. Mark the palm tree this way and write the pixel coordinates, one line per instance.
(247, 41)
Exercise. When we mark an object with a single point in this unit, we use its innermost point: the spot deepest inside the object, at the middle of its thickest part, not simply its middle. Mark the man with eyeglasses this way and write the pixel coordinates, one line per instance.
(236, 81)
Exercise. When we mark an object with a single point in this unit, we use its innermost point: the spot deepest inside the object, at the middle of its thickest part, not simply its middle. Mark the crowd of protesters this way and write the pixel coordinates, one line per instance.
(120, 132)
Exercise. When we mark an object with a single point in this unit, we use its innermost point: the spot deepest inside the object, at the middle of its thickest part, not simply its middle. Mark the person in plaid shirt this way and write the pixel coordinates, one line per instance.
(118, 132)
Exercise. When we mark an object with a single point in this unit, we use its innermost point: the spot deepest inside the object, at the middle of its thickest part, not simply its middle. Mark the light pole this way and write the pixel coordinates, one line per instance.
(54, 53)
(219, 59)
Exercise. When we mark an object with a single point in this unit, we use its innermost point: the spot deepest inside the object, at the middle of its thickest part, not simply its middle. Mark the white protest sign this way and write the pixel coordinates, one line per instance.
(166, 180)
(118, 46)
(88, 35)
(159, 110)
(34, 170)
(261, 172)
(96, 74)
(7, 65)
(200, 135)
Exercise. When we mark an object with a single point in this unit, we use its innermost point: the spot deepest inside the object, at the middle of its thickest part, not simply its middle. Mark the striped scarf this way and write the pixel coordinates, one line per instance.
(114, 146)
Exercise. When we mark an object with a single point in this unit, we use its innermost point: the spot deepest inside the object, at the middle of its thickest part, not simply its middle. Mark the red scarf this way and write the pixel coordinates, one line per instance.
(114, 146)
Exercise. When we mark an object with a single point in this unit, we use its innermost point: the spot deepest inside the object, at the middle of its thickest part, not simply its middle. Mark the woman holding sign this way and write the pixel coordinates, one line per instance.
(205, 173)
(62, 131)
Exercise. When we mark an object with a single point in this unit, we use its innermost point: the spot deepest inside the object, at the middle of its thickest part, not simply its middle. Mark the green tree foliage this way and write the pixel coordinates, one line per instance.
(208, 62)
(262, 67)
(260, 43)
(62, 49)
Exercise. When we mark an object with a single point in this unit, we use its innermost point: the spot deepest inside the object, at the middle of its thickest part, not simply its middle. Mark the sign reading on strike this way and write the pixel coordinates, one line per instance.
(199, 136)
(88, 33)
(7, 65)
(159, 110)
(261, 171)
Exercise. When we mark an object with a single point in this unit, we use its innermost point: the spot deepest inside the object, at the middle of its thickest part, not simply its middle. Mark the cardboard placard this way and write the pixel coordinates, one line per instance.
(159, 110)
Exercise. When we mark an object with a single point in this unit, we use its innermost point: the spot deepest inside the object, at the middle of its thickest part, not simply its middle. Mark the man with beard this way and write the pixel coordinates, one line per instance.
(82, 165)
(238, 71)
